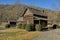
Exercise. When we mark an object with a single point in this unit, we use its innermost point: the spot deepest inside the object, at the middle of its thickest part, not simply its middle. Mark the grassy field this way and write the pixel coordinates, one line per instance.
(17, 34)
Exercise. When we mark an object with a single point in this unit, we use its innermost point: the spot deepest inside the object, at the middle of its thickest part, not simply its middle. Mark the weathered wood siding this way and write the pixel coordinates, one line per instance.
(28, 17)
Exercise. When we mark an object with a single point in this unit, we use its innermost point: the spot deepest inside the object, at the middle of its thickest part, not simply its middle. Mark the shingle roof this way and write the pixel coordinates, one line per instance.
(37, 12)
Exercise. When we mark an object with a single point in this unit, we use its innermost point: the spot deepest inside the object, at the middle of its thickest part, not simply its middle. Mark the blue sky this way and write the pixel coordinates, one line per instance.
(50, 4)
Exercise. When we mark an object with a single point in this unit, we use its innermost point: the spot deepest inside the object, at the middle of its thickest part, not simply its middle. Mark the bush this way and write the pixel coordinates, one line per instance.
(7, 25)
(23, 26)
(38, 27)
(20, 26)
(28, 27)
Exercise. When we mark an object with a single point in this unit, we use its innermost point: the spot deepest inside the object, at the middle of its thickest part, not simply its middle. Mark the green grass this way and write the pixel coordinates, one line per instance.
(17, 34)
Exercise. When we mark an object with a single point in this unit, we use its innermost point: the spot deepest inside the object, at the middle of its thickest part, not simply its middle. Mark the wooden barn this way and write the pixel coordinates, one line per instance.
(33, 16)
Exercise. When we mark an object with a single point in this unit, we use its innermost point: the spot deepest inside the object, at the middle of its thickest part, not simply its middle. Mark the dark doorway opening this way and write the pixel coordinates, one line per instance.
(33, 28)
(43, 23)
(36, 21)
(13, 24)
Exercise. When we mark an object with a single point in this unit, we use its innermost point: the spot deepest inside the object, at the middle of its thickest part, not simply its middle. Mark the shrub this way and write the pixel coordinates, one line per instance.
(7, 25)
(20, 26)
(23, 26)
(28, 27)
(38, 27)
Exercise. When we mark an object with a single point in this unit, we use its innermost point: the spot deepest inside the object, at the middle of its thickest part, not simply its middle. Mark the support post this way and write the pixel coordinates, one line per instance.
(39, 21)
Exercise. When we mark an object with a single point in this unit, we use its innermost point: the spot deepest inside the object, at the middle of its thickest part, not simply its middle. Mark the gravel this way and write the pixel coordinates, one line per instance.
(49, 35)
